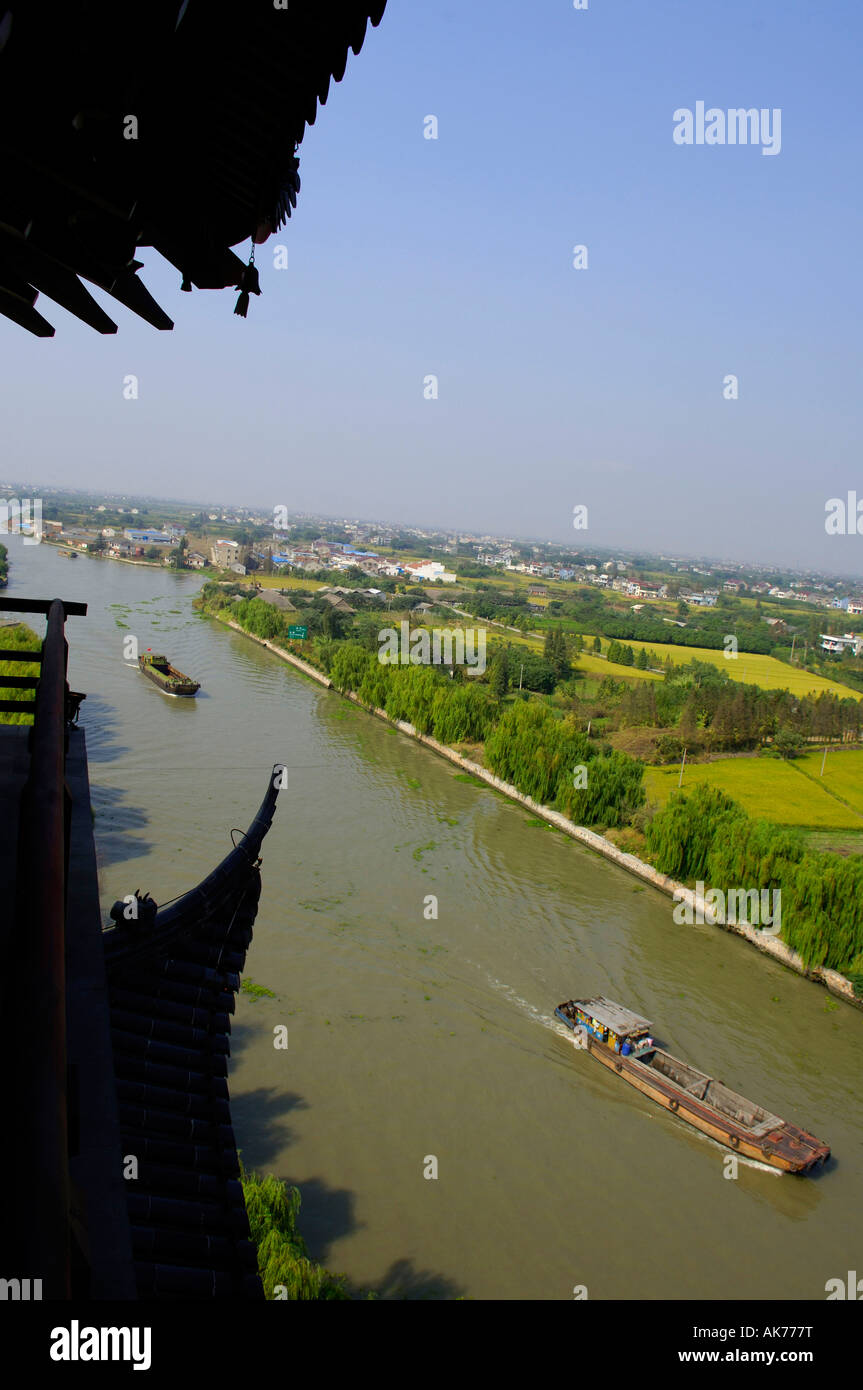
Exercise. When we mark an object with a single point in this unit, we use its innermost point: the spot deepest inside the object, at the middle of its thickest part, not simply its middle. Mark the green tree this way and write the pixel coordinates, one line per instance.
(283, 1259)
(497, 676)
(788, 743)
(555, 653)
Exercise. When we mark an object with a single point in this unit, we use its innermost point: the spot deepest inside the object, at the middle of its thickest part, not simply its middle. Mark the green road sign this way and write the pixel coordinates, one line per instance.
(298, 633)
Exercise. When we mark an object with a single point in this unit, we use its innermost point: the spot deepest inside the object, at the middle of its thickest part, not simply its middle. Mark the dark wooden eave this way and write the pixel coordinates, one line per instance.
(221, 95)
(171, 986)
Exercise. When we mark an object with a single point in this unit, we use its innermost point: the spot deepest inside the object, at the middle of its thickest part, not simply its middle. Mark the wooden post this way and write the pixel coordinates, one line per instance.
(823, 761)
(682, 766)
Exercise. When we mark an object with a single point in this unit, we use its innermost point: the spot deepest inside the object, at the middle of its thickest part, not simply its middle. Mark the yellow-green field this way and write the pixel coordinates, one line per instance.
(843, 773)
(765, 671)
(596, 665)
(283, 581)
(765, 787)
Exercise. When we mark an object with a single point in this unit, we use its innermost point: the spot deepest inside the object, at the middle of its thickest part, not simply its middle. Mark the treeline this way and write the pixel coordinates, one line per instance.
(499, 607)
(710, 633)
(713, 713)
(591, 613)
(704, 835)
(450, 711)
(625, 656)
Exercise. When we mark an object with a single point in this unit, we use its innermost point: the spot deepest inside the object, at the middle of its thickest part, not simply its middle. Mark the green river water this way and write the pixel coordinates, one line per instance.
(411, 1037)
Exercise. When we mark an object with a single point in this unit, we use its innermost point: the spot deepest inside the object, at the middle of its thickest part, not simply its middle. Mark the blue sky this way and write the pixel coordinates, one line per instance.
(453, 256)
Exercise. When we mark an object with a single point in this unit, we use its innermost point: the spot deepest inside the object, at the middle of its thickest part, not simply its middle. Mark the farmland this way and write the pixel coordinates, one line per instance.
(769, 788)
(752, 669)
(843, 773)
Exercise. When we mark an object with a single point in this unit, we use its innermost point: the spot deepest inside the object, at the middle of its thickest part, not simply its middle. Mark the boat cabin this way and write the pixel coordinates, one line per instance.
(616, 1027)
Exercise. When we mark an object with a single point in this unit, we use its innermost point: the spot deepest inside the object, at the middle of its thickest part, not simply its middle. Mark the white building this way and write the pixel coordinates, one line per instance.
(850, 642)
(431, 571)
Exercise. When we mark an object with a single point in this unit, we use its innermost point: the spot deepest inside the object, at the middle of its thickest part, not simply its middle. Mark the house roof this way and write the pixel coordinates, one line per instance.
(172, 125)
(338, 602)
(614, 1016)
(276, 600)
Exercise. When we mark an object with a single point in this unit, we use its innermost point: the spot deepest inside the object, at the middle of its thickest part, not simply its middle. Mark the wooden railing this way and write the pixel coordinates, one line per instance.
(35, 1031)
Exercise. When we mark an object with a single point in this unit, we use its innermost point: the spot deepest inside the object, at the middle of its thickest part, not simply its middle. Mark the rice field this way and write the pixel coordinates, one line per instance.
(751, 668)
(285, 581)
(765, 787)
(843, 773)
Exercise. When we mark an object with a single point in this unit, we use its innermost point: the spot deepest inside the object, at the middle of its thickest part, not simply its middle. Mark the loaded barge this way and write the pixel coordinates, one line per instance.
(621, 1041)
(167, 677)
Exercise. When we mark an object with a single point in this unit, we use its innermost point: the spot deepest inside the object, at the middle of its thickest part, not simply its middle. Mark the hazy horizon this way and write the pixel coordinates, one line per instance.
(583, 547)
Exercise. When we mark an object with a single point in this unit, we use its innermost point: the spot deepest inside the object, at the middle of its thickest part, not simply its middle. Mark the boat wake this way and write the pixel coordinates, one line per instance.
(753, 1163)
(546, 1020)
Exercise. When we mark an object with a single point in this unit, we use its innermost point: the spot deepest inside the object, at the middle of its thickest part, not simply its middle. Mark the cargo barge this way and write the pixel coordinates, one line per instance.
(169, 680)
(621, 1041)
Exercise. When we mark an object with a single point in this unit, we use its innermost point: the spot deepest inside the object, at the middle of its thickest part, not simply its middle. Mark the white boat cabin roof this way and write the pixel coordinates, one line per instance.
(612, 1016)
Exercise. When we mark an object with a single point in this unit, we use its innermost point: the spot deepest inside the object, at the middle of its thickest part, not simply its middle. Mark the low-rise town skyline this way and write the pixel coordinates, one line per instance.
(508, 552)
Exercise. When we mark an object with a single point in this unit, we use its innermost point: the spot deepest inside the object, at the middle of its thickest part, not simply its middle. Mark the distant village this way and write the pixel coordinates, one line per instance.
(272, 550)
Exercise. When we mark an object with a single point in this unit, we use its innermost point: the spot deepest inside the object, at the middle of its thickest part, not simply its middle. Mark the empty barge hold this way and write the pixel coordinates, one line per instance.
(166, 676)
(621, 1041)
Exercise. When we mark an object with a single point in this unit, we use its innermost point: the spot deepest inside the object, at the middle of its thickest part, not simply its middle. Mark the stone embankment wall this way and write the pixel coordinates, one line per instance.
(770, 945)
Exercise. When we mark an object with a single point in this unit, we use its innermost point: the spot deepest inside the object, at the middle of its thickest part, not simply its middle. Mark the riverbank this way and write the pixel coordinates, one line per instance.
(833, 981)
(66, 548)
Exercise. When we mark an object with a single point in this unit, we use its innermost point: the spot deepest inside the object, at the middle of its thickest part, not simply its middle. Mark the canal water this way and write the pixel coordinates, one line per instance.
(412, 1038)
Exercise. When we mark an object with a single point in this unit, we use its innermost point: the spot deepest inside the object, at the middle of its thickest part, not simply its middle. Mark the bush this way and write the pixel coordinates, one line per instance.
(283, 1259)
(669, 749)
(18, 638)
(705, 835)
(612, 794)
(680, 838)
